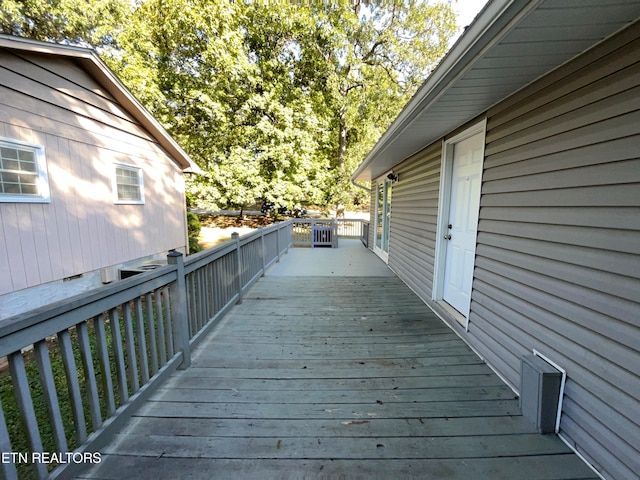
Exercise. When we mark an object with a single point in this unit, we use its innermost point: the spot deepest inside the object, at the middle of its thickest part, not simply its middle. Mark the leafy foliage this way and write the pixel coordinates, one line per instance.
(276, 101)
(90, 22)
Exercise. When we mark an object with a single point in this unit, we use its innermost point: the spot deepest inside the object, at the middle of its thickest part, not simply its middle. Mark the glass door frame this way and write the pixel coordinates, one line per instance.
(382, 217)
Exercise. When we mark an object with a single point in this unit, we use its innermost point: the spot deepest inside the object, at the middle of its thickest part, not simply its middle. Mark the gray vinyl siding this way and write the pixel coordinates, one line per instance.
(414, 215)
(558, 254)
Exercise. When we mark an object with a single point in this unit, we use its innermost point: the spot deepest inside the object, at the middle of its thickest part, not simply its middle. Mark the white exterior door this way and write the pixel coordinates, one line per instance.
(460, 225)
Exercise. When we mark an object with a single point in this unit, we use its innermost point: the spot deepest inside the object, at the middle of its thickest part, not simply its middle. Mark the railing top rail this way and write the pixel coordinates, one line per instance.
(159, 276)
(197, 260)
(55, 317)
(249, 237)
(153, 319)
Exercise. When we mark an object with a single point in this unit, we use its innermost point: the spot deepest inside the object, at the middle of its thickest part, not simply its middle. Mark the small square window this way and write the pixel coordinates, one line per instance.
(23, 172)
(128, 185)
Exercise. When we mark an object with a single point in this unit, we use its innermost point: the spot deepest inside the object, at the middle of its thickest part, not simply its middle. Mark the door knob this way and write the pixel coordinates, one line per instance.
(447, 237)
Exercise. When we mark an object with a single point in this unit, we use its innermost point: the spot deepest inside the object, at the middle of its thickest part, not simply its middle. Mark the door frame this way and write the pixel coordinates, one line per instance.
(446, 172)
(384, 181)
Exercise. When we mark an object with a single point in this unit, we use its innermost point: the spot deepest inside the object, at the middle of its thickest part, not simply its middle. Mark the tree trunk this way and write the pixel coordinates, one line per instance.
(342, 144)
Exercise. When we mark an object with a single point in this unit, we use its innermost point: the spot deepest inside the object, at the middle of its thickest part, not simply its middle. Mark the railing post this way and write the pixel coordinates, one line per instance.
(263, 254)
(311, 234)
(277, 244)
(286, 244)
(235, 236)
(178, 293)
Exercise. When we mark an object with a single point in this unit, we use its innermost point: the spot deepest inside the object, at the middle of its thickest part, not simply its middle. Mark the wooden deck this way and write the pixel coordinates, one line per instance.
(349, 377)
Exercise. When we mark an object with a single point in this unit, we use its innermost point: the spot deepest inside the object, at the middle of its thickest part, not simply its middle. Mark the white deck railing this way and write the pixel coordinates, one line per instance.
(80, 367)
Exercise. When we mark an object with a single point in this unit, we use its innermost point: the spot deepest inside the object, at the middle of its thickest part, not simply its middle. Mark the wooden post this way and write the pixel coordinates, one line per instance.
(286, 243)
(235, 236)
(334, 234)
(263, 254)
(178, 292)
(312, 234)
(7, 470)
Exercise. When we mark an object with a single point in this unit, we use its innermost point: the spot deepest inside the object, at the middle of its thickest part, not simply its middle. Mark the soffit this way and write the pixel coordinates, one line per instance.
(508, 46)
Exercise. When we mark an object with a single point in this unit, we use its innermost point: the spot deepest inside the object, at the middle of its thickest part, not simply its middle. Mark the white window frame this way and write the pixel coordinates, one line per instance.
(44, 193)
(131, 168)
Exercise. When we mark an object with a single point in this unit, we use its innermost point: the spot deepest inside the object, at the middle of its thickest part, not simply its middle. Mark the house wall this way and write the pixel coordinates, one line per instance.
(84, 131)
(412, 238)
(558, 254)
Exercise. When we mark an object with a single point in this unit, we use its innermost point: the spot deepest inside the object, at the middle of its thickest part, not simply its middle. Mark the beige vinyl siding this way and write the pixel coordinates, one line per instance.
(84, 132)
(558, 254)
(414, 214)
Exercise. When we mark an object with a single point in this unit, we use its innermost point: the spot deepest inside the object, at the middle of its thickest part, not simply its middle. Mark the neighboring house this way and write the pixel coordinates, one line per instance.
(514, 208)
(89, 180)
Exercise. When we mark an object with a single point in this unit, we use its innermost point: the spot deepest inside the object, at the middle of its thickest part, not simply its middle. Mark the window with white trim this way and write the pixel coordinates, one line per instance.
(128, 187)
(23, 172)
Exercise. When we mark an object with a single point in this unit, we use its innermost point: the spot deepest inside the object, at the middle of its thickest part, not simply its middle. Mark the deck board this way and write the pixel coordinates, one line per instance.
(327, 377)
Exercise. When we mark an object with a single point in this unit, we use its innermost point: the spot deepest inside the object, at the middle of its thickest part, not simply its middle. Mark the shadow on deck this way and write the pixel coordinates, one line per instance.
(344, 372)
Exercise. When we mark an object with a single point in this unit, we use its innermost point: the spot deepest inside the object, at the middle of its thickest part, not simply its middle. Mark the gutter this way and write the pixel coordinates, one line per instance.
(353, 182)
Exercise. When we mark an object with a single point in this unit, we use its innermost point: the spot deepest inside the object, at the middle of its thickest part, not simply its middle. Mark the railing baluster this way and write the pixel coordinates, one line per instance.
(142, 343)
(207, 295)
(103, 353)
(180, 322)
(25, 402)
(211, 308)
(132, 369)
(151, 332)
(50, 395)
(116, 339)
(169, 322)
(7, 469)
(218, 292)
(199, 302)
(230, 278)
(87, 364)
(162, 344)
(263, 253)
(191, 302)
(68, 360)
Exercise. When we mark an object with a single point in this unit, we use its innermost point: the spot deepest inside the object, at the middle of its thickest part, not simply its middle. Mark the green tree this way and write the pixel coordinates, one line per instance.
(88, 22)
(275, 101)
(367, 60)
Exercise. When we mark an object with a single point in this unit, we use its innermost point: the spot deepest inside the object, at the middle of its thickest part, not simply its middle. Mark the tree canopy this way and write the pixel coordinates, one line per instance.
(274, 101)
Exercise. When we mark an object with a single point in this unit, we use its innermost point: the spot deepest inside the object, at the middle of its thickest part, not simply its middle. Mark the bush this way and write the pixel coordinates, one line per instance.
(193, 232)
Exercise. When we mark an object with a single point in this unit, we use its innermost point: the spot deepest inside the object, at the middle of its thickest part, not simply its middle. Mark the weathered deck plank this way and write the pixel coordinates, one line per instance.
(564, 466)
(327, 377)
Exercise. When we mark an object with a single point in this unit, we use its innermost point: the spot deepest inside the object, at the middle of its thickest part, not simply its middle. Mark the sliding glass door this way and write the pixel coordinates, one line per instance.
(383, 217)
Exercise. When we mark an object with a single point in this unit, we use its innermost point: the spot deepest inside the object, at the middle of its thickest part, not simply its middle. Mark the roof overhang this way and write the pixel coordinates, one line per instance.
(89, 60)
(510, 44)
